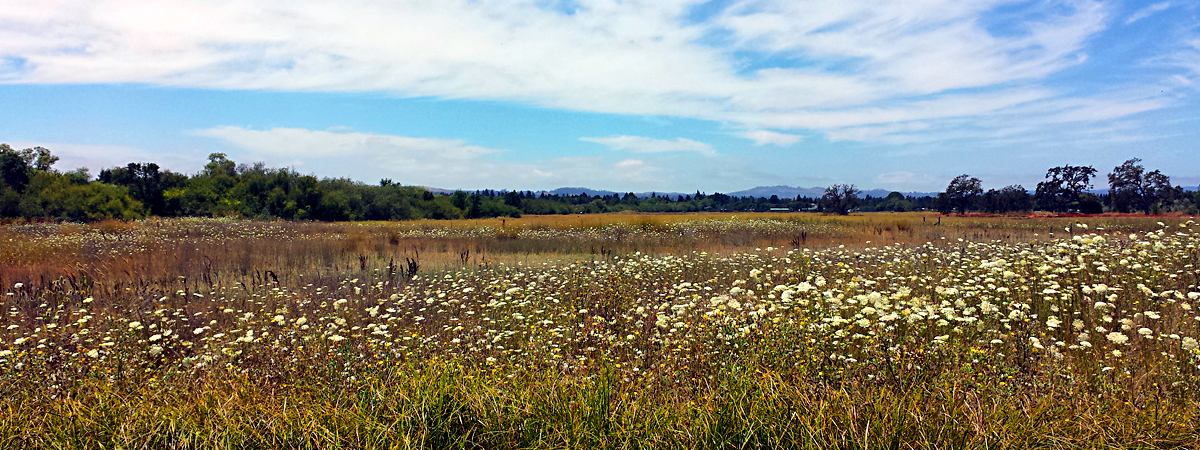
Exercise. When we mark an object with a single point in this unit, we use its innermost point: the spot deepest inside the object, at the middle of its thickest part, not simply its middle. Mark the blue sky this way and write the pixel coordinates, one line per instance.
(666, 95)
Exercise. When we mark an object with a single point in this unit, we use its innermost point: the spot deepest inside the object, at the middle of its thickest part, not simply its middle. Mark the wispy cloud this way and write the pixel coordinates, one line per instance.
(901, 180)
(423, 160)
(1186, 57)
(1147, 12)
(764, 137)
(455, 163)
(837, 63)
(99, 157)
(640, 144)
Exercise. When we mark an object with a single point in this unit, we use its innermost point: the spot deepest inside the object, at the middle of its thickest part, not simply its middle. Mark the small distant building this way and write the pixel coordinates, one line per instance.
(781, 210)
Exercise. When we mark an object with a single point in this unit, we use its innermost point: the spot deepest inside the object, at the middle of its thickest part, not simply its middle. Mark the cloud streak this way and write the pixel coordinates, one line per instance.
(764, 137)
(1147, 12)
(457, 164)
(639, 144)
(843, 63)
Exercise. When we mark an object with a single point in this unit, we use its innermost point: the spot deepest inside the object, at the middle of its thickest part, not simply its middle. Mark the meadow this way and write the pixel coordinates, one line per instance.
(603, 331)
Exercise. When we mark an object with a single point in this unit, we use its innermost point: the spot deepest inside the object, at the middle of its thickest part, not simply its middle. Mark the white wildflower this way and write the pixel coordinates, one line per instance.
(1189, 344)
(1117, 337)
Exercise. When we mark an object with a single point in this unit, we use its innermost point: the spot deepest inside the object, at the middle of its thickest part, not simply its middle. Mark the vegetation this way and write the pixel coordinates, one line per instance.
(610, 331)
(31, 188)
(840, 198)
(1065, 189)
(962, 192)
(1131, 188)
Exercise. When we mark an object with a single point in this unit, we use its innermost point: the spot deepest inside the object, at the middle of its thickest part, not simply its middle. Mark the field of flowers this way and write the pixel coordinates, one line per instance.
(642, 333)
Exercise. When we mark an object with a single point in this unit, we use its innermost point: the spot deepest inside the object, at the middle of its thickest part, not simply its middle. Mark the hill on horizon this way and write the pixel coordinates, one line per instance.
(782, 191)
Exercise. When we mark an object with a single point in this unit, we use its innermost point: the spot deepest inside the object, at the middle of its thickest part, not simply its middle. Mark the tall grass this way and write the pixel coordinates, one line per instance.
(675, 332)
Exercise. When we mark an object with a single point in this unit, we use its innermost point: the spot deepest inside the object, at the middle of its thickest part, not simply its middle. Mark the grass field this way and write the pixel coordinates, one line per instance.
(603, 331)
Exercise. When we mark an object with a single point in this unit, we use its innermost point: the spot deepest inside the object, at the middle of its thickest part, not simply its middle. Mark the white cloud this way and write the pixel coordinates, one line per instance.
(861, 62)
(893, 179)
(918, 47)
(99, 157)
(1147, 12)
(452, 163)
(426, 161)
(640, 144)
(1186, 57)
(764, 137)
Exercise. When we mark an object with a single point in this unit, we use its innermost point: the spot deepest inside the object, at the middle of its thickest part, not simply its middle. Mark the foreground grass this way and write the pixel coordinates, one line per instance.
(218, 334)
(449, 406)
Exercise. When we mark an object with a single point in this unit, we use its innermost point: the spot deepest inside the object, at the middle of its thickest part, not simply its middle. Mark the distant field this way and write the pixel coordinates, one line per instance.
(881, 330)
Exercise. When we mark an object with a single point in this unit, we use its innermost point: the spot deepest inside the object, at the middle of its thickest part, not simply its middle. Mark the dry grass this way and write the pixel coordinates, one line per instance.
(612, 331)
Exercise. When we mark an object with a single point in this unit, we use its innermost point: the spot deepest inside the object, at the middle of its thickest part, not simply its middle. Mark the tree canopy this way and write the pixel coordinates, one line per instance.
(31, 187)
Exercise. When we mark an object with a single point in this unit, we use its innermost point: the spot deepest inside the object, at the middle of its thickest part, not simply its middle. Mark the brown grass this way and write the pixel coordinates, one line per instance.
(775, 386)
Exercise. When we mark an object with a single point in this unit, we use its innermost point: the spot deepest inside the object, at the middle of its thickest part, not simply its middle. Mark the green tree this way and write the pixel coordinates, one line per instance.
(1131, 187)
(895, 201)
(839, 198)
(14, 169)
(1063, 187)
(513, 199)
(962, 192)
(146, 183)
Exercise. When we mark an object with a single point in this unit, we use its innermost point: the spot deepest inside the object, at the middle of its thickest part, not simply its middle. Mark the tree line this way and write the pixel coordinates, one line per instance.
(1066, 189)
(31, 188)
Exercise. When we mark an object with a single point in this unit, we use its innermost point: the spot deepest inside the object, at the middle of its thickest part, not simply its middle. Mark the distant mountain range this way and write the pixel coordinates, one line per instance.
(761, 191)
(814, 192)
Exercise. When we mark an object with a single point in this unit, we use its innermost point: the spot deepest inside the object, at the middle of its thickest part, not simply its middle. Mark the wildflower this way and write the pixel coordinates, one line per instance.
(336, 338)
(198, 331)
(1145, 332)
(93, 353)
(1117, 337)
(1189, 344)
(1053, 322)
(156, 350)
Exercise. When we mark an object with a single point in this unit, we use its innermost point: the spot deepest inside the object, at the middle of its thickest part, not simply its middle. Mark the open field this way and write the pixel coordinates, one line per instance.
(603, 331)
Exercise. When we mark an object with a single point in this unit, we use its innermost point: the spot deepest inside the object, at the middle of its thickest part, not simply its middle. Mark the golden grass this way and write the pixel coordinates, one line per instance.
(587, 368)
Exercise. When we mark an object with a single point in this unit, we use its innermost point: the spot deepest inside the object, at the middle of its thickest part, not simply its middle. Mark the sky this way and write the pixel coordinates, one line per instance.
(623, 95)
